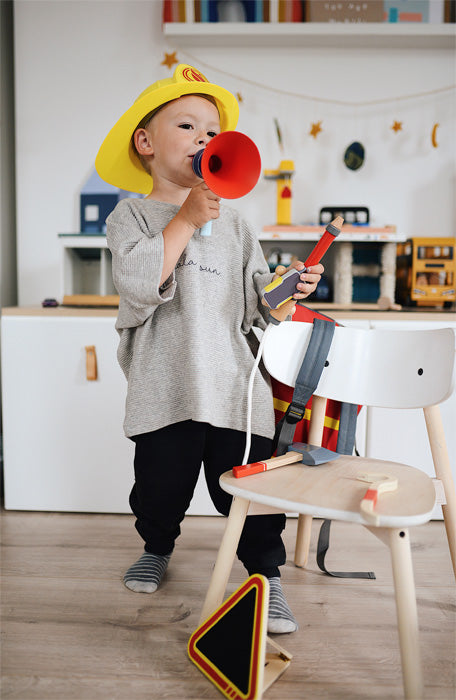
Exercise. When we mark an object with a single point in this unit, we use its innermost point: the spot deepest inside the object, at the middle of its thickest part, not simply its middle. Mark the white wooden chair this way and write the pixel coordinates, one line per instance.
(394, 369)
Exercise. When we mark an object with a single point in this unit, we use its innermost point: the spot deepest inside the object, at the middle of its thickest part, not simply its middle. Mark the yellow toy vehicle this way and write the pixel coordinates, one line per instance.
(426, 272)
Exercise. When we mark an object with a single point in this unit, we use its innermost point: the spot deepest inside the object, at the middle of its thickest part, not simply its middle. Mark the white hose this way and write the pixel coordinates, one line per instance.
(248, 437)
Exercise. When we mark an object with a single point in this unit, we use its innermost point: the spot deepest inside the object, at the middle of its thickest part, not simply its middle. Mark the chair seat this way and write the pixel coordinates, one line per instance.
(333, 491)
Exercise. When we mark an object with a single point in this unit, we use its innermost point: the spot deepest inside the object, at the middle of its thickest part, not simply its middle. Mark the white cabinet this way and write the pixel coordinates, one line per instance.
(64, 446)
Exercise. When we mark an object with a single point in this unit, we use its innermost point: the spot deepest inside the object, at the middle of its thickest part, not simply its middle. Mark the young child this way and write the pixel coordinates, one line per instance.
(188, 304)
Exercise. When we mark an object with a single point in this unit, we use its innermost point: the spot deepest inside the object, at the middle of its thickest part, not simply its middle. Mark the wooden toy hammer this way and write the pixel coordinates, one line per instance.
(311, 455)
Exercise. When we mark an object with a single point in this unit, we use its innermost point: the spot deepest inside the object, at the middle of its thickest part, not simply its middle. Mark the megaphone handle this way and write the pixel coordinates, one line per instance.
(206, 230)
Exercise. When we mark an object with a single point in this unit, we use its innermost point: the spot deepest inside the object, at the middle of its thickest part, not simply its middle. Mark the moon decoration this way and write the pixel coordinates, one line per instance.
(354, 156)
(434, 135)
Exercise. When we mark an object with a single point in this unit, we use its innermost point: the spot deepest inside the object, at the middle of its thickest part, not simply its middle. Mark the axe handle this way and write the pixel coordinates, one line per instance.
(286, 309)
(378, 485)
(330, 233)
(273, 463)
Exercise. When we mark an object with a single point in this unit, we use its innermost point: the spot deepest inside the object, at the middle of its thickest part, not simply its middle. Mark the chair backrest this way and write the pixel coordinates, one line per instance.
(371, 367)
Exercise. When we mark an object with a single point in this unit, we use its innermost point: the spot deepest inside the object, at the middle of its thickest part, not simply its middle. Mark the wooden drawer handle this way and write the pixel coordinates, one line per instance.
(91, 363)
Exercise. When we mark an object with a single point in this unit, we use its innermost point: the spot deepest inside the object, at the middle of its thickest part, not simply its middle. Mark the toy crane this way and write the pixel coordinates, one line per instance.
(283, 175)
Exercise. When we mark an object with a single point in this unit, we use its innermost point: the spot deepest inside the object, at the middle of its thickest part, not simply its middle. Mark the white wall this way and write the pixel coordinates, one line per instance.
(8, 278)
(79, 65)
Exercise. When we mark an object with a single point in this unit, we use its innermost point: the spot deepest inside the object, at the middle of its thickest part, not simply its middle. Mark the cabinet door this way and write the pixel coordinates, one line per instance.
(64, 447)
(401, 435)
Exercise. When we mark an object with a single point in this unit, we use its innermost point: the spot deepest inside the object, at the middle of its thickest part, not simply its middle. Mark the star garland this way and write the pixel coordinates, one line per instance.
(312, 98)
(170, 59)
(315, 129)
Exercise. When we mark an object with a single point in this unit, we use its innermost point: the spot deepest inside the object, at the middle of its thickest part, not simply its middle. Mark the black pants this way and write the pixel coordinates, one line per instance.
(167, 465)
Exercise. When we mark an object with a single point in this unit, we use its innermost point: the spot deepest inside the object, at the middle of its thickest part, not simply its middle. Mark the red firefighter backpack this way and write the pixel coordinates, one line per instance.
(293, 407)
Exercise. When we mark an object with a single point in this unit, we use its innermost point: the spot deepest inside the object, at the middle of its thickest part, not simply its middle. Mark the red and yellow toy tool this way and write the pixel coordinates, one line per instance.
(380, 483)
(283, 288)
(311, 455)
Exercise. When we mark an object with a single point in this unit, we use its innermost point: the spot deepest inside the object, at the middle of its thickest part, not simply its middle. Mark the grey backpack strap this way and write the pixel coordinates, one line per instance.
(306, 381)
(345, 444)
(347, 428)
(322, 548)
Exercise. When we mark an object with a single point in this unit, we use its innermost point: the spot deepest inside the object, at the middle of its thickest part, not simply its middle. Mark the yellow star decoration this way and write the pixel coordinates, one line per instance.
(397, 126)
(239, 97)
(169, 60)
(315, 129)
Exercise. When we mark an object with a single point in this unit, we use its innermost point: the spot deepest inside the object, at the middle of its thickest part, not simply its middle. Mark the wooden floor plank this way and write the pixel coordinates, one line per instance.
(72, 631)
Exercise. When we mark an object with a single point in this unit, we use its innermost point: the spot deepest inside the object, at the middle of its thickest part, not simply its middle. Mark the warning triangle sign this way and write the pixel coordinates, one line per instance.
(229, 647)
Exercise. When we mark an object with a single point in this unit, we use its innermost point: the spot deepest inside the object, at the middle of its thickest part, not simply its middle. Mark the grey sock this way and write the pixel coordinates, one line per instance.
(145, 575)
(280, 617)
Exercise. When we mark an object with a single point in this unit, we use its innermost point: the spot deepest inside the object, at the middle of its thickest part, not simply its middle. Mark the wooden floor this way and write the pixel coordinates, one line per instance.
(72, 631)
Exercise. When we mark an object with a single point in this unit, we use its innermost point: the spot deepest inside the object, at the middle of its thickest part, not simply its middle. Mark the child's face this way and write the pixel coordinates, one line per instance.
(177, 132)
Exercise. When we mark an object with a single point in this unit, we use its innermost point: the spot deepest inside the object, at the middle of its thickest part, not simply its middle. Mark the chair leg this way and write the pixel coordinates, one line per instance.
(407, 617)
(443, 473)
(225, 557)
(303, 540)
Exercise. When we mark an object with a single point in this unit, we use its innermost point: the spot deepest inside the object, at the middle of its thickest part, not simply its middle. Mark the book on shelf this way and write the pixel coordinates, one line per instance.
(231, 10)
(289, 11)
(175, 10)
(190, 11)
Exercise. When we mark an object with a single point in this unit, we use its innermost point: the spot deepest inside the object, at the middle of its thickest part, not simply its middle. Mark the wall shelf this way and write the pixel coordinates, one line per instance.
(351, 282)
(86, 266)
(312, 34)
(361, 234)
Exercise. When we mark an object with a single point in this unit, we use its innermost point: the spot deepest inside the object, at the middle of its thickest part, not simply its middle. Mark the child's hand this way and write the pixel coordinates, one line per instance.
(201, 206)
(309, 279)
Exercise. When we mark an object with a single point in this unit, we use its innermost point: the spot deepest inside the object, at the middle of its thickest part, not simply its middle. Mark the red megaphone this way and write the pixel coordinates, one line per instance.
(230, 165)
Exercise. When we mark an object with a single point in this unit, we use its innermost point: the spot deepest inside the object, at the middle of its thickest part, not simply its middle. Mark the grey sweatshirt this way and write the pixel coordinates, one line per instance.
(187, 348)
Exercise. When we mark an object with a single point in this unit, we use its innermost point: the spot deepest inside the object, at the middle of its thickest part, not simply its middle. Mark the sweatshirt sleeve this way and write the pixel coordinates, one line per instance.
(256, 276)
(137, 262)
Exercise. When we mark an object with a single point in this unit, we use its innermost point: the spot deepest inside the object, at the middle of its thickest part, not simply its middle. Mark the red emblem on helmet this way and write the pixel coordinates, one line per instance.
(192, 75)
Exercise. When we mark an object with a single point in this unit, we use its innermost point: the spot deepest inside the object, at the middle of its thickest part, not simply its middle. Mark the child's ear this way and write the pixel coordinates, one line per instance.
(143, 142)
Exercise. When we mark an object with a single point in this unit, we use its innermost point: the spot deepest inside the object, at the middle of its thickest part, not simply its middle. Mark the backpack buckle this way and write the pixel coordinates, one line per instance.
(295, 413)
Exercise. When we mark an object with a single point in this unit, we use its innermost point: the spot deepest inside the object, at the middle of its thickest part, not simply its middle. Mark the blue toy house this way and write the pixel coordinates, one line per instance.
(97, 200)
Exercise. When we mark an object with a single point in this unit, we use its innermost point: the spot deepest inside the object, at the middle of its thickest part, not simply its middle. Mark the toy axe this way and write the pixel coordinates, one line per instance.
(379, 483)
(310, 455)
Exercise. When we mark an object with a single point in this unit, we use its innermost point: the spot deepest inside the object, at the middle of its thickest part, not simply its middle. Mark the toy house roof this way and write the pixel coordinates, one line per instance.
(95, 185)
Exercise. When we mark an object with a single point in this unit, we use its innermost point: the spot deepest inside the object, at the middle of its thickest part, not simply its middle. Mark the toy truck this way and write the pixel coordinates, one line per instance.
(426, 272)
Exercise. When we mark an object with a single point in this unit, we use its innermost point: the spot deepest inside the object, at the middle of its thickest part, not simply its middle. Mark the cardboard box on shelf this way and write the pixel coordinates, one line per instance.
(344, 11)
